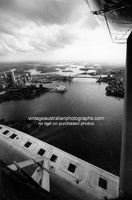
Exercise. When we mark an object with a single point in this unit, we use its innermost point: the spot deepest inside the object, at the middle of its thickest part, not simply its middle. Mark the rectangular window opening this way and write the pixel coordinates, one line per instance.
(13, 136)
(102, 183)
(53, 158)
(5, 132)
(71, 167)
(41, 152)
(1, 127)
(27, 144)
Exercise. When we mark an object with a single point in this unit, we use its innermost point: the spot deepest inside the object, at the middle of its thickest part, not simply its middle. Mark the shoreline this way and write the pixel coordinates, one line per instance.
(23, 94)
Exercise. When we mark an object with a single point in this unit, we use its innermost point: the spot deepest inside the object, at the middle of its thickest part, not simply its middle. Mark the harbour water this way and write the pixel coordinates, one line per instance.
(98, 144)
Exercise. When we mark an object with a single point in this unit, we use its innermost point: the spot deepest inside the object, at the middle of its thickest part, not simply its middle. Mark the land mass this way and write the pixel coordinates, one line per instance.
(116, 82)
(29, 92)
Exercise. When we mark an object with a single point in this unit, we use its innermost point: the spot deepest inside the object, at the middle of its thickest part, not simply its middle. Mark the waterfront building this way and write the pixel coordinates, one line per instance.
(19, 82)
(2, 84)
(10, 78)
(27, 77)
(13, 79)
(5, 77)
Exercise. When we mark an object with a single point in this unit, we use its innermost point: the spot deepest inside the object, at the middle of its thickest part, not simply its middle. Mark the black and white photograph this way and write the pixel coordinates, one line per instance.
(65, 99)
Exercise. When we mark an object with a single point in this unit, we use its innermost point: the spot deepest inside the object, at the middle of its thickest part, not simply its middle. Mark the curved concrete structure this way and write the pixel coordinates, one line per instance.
(69, 175)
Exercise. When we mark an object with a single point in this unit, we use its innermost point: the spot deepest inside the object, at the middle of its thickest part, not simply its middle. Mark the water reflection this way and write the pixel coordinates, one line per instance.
(98, 144)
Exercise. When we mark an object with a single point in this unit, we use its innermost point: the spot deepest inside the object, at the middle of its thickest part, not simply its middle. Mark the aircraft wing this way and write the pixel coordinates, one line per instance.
(115, 15)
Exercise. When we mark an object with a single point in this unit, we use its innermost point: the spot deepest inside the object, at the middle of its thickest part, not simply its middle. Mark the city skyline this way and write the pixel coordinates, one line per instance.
(54, 31)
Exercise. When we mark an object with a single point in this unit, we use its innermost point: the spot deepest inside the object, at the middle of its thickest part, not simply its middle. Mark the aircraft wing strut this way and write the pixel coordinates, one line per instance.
(41, 174)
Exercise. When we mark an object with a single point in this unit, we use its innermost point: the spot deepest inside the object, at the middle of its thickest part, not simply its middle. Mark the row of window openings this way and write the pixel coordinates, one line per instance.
(102, 182)
(28, 144)
(41, 152)
(53, 158)
(6, 132)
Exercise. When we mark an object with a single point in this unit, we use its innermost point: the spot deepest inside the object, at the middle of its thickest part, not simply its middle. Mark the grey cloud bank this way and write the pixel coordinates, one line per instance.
(50, 29)
(17, 15)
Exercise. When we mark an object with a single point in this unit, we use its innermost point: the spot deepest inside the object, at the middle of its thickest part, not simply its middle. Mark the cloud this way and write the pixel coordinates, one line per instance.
(50, 29)
(39, 25)
(38, 38)
(4, 49)
(41, 11)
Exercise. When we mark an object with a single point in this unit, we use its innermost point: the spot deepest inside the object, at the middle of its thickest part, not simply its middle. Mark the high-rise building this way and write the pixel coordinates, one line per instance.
(27, 77)
(2, 84)
(5, 77)
(10, 78)
(13, 76)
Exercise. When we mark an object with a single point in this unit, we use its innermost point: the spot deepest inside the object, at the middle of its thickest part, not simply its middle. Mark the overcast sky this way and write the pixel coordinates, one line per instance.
(54, 30)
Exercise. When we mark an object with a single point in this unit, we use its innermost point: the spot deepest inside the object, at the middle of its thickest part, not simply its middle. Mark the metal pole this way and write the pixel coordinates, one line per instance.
(126, 149)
